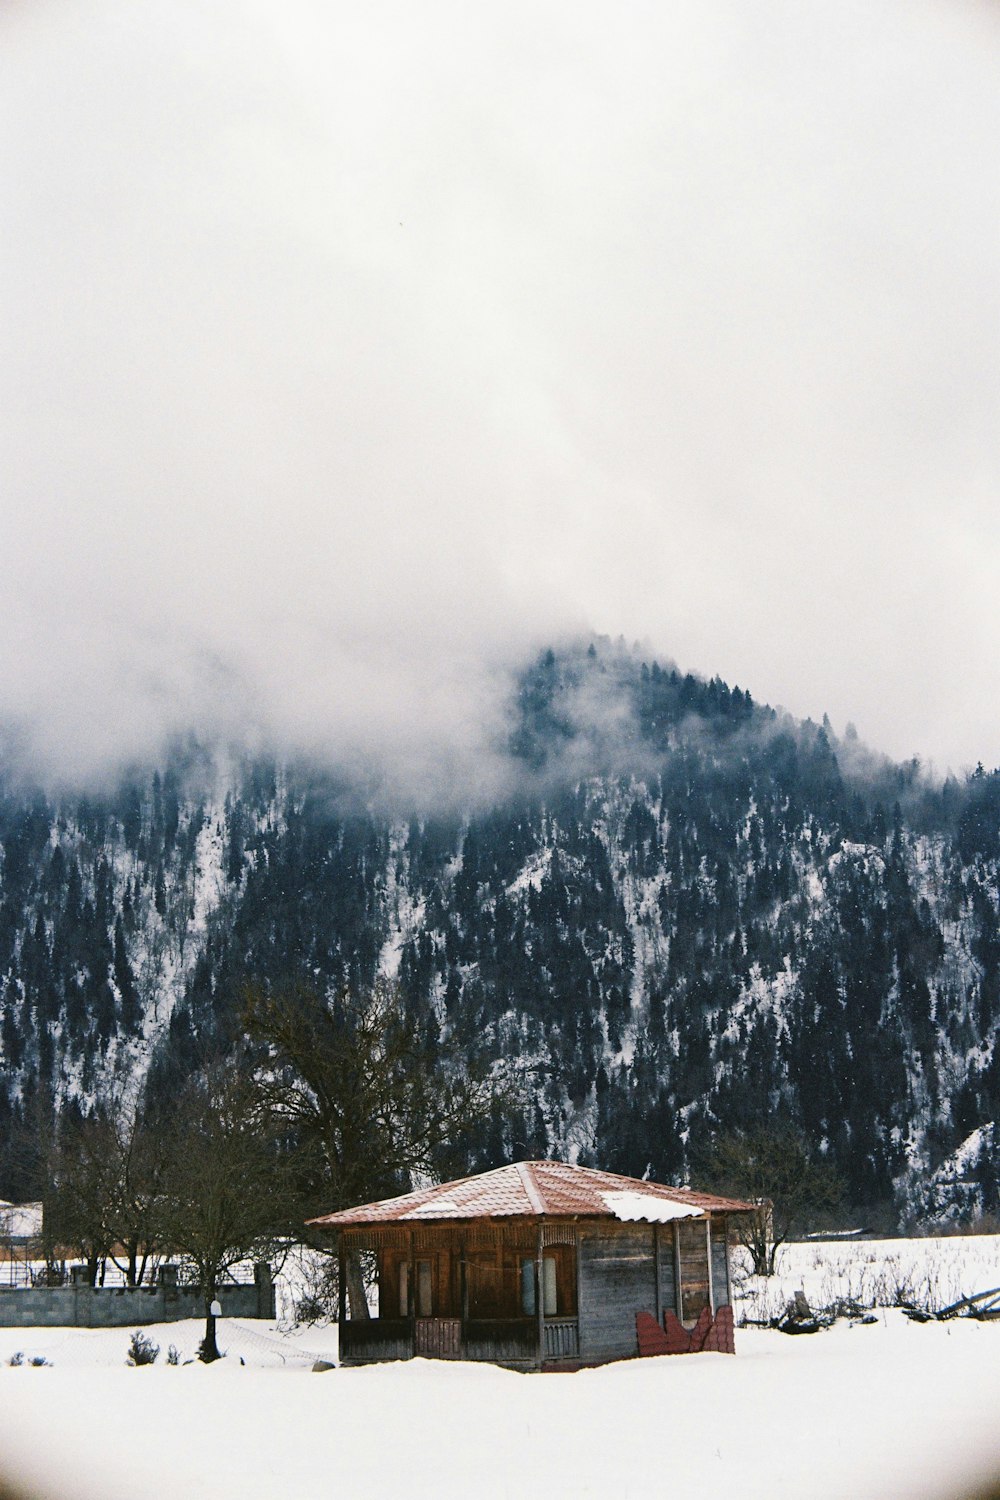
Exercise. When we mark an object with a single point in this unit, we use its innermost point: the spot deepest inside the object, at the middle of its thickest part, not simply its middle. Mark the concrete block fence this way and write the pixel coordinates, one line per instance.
(81, 1306)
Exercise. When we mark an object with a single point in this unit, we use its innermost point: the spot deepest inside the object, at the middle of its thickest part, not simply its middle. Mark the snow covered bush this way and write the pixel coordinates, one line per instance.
(141, 1349)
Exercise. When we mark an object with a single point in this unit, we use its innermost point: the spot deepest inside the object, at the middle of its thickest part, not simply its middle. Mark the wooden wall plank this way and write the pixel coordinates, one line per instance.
(693, 1260)
(617, 1280)
(668, 1279)
(720, 1263)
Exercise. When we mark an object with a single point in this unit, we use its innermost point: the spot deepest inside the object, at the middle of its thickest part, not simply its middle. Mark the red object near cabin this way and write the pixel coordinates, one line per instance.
(709, 1335)
(650, 1336)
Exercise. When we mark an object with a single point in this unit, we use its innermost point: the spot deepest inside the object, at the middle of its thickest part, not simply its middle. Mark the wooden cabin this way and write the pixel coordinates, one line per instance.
(537, 1265)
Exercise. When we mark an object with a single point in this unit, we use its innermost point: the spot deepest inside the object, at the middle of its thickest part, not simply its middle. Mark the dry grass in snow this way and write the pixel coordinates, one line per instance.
(927, 1273)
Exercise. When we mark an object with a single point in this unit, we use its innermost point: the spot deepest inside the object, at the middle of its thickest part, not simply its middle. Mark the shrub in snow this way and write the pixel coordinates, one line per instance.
(142, 1350)
(307, 1289)
(312, 1308)
(16, 1359)
(173, 1355)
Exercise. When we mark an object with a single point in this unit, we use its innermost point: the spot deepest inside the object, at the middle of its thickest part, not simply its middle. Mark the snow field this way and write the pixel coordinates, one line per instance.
(931, 1273)
(260, 1345)
(874, 1412)
(894, 1409)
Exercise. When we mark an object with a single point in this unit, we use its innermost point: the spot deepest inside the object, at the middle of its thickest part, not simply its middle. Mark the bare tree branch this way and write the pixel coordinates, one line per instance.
(771, 1167)
(352, 1076)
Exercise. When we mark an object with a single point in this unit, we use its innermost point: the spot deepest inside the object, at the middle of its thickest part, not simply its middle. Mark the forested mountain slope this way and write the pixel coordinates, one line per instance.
(688, 913)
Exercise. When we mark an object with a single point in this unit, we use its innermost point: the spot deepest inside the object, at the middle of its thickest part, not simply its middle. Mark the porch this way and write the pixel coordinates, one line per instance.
(505, 1294)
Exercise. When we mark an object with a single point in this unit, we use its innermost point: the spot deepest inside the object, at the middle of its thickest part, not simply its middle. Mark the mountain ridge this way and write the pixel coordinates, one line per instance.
(689, 912)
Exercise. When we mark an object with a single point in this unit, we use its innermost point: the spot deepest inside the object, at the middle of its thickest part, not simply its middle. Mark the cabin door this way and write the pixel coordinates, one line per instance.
(438, 1324)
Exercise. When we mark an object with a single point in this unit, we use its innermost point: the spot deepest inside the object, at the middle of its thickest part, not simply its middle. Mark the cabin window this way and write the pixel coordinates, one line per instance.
(395, 1285)
(550, 1302)
(528, 1287)
(550, 1287)
(562, 1280)
(425, 1285)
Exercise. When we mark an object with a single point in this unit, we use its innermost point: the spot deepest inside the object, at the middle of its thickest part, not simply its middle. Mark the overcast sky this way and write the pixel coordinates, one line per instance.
(349, 351)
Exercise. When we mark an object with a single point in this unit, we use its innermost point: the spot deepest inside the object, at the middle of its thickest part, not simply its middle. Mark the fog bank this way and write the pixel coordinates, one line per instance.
(349, 355)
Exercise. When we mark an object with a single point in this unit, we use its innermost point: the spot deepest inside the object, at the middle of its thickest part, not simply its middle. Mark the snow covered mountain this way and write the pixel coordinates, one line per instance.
(688, 912)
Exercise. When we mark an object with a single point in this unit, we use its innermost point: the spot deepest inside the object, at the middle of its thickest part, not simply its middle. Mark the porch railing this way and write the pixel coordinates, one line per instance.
(376, 1338)
(562, 1339)
(500, 1340)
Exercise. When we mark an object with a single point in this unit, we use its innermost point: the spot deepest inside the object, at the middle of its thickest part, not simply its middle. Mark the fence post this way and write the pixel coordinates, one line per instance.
(265, 1289)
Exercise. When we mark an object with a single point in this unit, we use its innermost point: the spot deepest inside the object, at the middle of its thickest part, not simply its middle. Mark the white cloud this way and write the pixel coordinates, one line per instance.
(347, 349)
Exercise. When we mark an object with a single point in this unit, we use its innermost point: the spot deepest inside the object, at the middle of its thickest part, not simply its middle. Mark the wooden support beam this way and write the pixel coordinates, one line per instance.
(708, 1255)
(463, 1271)
(678, 1281)
(539, 1299)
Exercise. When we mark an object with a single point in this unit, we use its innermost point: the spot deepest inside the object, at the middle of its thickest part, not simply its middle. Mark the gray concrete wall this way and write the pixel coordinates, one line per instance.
(125, 1307)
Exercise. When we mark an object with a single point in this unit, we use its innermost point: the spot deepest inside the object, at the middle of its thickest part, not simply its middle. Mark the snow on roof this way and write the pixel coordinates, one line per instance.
(436, 1208)
(630, 1207)
(534, 1189)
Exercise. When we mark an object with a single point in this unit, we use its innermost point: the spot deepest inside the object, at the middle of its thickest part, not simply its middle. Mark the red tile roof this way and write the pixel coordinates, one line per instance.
(536, 1189)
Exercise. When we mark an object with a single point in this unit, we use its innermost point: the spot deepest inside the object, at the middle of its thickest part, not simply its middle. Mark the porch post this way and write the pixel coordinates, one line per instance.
(341, 1281)
(464, 1284)
(656, 1273)
(413, 1297)
(708, 1254)
(539, 1299)
(729, 1269)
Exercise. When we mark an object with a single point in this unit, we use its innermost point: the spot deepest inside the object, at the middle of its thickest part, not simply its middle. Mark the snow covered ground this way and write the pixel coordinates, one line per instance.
(933, 1273)
(882, 1410)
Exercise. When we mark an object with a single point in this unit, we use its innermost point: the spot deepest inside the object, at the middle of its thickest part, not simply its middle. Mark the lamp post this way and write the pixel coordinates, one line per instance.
(209, 1348)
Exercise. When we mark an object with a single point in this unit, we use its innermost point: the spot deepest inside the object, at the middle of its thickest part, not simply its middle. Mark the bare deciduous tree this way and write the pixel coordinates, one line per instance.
(353, 1077)
(227, 1185)
(79, 1190)
(369, 1102)
(771, 1167)
(104, 1194)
